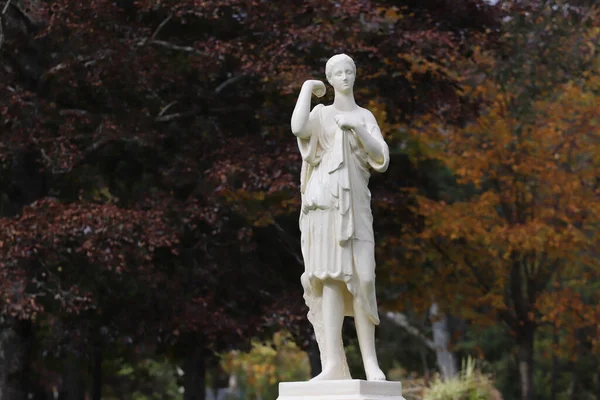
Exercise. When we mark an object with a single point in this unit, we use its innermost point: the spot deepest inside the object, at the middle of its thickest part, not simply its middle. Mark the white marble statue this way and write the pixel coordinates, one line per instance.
(339, 144)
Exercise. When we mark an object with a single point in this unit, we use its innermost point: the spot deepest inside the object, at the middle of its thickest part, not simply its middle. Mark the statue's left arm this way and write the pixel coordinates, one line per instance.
(371, 138)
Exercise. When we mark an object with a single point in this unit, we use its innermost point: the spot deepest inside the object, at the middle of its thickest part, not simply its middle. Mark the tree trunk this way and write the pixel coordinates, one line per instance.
(97, 376)
(194, 379)
(597, 385)
(72, 387)
(12, 360)
(573, 385)
(554, 364)
(525, 341)
(234, 387)
(441, 339)
(426, 373)
(221, 380)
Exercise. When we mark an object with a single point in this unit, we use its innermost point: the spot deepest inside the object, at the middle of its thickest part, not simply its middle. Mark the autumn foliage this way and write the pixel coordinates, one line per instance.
(517, 241)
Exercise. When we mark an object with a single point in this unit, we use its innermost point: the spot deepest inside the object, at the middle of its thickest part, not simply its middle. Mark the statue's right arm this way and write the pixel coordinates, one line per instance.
(301, 114)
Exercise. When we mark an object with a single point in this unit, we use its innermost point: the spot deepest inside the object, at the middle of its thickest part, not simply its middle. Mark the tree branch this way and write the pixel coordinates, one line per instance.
(171, 117)
(289, 243)
(402, 321)
(73, 111)
(516, 289)
(6, 7)
(162, 24)
(543, 278)
(175, 47)
(228, 82)
(56, 68)
(1, 32)
(165, 108)
(2, 22)
(482, 285)
(476, 274)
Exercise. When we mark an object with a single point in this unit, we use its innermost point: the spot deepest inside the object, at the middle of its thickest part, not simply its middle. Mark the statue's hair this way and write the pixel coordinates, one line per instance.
(336, 59)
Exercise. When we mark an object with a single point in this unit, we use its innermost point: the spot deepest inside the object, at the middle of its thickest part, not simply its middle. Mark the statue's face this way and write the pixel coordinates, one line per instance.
(342, 77)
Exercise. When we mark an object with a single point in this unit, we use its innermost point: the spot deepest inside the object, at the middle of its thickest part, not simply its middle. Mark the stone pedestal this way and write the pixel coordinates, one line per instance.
(354, 389)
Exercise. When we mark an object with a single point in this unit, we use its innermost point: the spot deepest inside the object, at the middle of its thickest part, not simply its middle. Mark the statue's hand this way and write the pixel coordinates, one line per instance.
(346, 122)
(317, 87)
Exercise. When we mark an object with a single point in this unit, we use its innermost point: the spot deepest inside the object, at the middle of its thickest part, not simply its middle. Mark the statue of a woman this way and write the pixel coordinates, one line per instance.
(339, 145)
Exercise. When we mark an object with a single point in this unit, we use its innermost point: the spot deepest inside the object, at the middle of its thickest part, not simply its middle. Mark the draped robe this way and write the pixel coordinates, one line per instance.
(336, 223)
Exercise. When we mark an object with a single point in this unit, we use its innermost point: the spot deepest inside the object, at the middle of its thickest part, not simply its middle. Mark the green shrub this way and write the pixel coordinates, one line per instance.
(471, 384)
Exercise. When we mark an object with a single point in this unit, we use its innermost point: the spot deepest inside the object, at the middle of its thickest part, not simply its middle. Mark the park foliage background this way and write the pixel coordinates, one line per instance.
(149, 246)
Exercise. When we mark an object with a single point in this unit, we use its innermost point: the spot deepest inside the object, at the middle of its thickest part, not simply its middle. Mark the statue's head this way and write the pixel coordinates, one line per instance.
(341, 72)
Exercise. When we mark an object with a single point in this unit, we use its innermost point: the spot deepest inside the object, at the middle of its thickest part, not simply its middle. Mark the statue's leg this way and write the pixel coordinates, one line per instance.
(333, 318)
(365, 328)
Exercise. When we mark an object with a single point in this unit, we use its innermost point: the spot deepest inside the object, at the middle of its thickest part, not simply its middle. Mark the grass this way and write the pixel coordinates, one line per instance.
(471, 384)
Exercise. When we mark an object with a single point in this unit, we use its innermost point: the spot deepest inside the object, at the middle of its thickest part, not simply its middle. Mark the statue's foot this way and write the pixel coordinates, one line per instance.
(331, 372)
(374, 373)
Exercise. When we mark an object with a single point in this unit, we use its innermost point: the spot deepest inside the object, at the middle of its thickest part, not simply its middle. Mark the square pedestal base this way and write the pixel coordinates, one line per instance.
(354, 389)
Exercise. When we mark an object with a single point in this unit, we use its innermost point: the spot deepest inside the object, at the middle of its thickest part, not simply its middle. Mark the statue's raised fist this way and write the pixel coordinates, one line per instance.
(317, 87)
